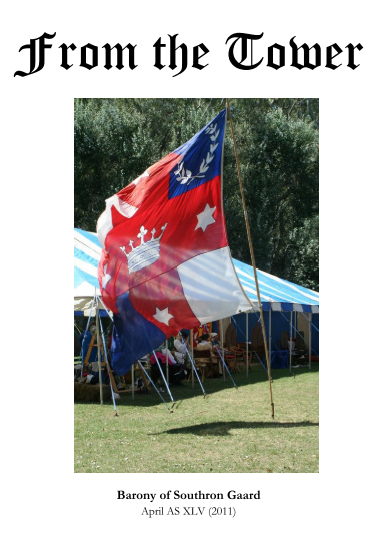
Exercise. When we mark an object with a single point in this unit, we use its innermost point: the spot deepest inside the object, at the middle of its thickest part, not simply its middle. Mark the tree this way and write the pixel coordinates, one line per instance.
(279, 163)
(277, 140)
(304, 254)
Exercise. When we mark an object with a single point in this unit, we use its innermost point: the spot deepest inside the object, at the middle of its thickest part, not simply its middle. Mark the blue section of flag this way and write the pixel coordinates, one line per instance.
(201, 158)
(133, 336)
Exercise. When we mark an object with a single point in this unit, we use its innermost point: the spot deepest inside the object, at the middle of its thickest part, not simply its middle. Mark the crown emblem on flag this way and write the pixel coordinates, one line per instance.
(145, 253)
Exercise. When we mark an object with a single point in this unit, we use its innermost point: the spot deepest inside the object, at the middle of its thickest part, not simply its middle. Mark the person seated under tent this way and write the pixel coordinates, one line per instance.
(214, 339)
(176, 371)
(181, 343)
(204, 343)
(85, 340)
(292, 345)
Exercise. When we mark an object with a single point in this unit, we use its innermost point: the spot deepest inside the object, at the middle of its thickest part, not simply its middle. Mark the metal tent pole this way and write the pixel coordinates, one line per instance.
(192, 366)
(228, 372)
(154, 386)
(98, 346)
(164, 379)
(222, 347)
(107, 364)
(133, 381)
(167, 375)
(310, 339)
(270, 333)
(290, 346)
(247, 344)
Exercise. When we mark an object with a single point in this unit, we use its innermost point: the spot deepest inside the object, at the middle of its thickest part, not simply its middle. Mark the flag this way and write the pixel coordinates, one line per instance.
(165, 263)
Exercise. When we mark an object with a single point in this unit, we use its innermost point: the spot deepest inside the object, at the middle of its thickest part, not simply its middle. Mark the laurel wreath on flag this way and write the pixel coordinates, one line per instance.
(185, 176)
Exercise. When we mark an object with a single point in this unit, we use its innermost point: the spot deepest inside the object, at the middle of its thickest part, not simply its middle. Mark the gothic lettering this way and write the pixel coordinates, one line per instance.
(242, 50)
(36, 66)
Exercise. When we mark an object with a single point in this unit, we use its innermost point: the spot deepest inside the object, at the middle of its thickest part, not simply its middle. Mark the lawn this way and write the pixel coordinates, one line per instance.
(231, 430)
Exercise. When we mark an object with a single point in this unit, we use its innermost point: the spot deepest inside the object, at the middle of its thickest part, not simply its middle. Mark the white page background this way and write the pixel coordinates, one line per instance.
(42, 494)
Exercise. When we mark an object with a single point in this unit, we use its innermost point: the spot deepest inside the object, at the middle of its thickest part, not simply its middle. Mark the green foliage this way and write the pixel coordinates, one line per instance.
(304, 254)
(277, 142)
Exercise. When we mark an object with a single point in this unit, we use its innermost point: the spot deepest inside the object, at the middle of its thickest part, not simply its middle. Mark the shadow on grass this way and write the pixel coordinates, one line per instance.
(223, 428)
(211, 386)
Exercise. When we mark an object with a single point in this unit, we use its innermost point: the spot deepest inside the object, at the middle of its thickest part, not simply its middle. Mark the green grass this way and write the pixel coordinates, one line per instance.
(229, 431)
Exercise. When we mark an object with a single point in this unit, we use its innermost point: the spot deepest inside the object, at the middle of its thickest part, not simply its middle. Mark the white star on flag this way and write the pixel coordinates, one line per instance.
(137, 180)
(205, 218)
(163, 316)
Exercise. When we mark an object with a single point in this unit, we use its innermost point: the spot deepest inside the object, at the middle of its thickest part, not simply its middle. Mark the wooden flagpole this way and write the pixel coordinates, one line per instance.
(252, 254)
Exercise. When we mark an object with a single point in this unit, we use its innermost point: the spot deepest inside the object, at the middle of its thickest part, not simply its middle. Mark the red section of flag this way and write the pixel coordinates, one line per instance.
(150, 298)
(183, 237)
(167, 216)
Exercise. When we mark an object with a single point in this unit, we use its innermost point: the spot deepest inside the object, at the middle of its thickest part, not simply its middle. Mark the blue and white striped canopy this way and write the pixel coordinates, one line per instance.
(87, 252)
(276, 294)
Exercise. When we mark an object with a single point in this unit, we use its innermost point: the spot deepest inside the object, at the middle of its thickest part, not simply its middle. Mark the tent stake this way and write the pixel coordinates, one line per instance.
(251, 252)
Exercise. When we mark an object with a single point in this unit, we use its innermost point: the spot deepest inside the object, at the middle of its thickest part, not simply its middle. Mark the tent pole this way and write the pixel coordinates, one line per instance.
(98, 346)
(290, 346)
(154, 386)
(270, 332)
(191, 349)
(165, 381)
(167, 375)
(106, 358)
(194, 369)
(133, 381)
(309, 339)
(252, 254)
(222, 346)
(247, 344)
(228, 372)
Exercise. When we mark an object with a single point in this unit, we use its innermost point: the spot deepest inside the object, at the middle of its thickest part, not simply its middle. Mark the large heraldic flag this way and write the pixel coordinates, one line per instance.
(165, 263)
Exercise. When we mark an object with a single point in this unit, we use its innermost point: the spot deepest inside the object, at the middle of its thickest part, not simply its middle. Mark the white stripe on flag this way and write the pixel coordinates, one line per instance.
(211, 286)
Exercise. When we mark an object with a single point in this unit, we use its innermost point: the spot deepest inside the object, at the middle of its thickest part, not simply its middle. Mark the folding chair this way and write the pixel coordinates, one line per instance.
(230, 359)
(241, 360)
(202, 360)
(239, 356)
